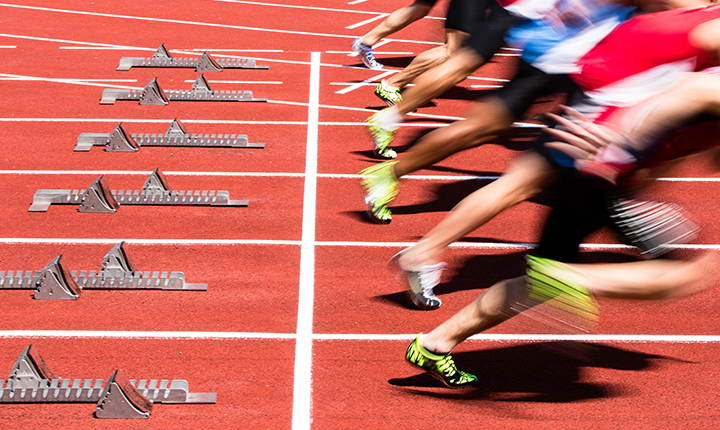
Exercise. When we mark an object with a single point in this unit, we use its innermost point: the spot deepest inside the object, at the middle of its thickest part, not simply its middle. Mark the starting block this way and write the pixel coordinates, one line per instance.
(162, 58)
(176, 135)
(98, 198)
(152, 94)
(31, 381)
(56, 282)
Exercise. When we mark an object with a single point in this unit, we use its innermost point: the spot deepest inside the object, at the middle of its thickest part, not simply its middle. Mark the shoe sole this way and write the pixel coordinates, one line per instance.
(439, 378)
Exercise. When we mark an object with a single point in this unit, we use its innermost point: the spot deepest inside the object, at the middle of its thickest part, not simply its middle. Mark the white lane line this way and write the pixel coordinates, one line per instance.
(357, 1)
(240, 82)
(194, 335)
(302, 389)
(296, 7)
(341, 244)
(291, 174)
(219, 51)
(68, 80)
(365, 82)
(177, 21)
(7, 47)
(367, 21)
(63, 81)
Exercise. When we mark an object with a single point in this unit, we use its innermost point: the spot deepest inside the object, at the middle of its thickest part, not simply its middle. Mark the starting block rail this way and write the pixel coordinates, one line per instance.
(152, 94)
(205, 63)
(98, 198)
(118, 272)
(176, 135)
(31, 381)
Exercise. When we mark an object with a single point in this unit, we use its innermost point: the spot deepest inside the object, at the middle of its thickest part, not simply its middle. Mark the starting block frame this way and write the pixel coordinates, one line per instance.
(98, 198)
(153, 95)
(205, 63)
(31, 381)
(56, 282)
(176, 135)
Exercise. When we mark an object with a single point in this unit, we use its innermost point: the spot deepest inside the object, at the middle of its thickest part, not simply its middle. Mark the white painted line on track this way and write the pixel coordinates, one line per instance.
(63, 81)
(191, 335)
(7, 47)
(240, 82)
(69, 80)
(219, 51)
(291, 174)
(302, 387)
(296, 6)
(340, 244)
(367, 21)
(351, 53)
(367, 81)
(190, 23)
(357, 1)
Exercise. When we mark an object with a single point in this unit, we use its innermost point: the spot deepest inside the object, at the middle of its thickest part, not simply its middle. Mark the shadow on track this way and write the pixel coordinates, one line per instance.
(540, 372)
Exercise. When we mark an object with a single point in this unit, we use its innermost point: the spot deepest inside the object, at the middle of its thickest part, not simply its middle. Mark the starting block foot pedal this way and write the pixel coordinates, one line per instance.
(98, 198)
(117, 262)
(55, 282)
(120, 400)
(152, 94)
(29, 369)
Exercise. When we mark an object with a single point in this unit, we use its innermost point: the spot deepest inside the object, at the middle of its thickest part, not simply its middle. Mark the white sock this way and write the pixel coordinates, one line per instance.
(388, 118)
(387, 86)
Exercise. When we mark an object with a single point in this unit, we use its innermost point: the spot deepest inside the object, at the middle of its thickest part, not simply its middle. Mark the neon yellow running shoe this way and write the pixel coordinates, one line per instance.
(382, 138)
(441, 367)
(389, 96)
(568, 305)
(381, 186)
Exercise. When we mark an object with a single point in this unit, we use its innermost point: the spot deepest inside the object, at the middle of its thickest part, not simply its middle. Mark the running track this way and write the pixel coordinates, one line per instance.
(301, 327)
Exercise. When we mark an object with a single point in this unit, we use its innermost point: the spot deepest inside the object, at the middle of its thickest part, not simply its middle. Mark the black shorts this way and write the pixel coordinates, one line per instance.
(579, 208)
(531, 83)
(485, 20)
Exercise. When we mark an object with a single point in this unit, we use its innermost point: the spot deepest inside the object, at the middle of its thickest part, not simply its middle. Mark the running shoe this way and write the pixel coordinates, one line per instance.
(650, 226)
(381, 186)
(441, 367)
(382, 138)
(568, 305)
(366, 54)
(419, 284)
(389, 96)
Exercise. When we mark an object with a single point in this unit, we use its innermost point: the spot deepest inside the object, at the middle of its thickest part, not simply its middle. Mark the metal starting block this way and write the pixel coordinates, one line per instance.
(176, 135)
(98, 198)
(162, 58)
(56, 282)
(31, 381)
(152, 94)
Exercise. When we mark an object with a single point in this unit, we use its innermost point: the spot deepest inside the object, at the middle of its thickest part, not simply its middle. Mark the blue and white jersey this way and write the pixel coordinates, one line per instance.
(554, 37)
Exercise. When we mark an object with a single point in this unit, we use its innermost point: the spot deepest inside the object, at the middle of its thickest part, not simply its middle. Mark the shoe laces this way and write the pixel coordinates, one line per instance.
(446, 365)
(430, 277)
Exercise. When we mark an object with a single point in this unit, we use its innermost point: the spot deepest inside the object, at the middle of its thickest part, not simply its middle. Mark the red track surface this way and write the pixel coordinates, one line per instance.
(238, 338)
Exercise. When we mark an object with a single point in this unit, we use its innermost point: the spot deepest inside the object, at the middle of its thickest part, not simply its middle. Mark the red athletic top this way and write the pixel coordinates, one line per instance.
(645, 42)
